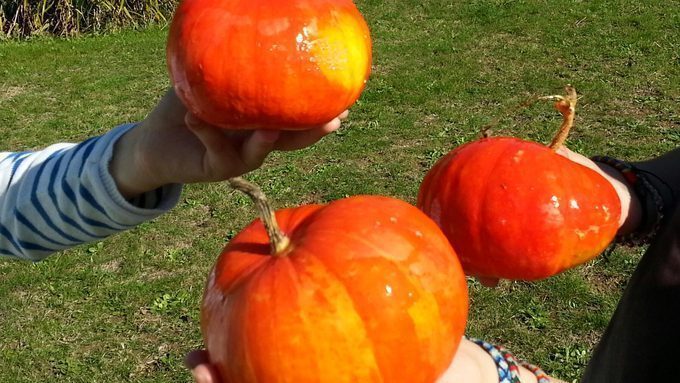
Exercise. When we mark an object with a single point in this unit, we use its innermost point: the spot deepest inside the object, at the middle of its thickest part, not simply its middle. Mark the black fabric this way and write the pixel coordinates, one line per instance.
(642, 341)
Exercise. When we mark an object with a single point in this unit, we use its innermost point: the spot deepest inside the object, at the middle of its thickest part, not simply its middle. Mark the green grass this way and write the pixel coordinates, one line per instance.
(126, 309)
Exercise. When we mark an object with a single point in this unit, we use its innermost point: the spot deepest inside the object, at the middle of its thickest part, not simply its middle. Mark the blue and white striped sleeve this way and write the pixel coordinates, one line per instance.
(64, 196)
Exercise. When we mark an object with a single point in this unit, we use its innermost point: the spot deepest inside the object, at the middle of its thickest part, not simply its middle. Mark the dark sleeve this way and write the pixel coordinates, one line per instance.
(643, 337)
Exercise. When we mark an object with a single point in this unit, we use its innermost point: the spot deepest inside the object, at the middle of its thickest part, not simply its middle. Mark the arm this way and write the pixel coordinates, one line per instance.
(664, 173)
(171, 146)
(64, 195)
(67, 194)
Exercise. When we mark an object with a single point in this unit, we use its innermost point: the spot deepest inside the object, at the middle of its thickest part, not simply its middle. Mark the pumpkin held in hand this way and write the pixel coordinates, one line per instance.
(515, 209)
(267, 63)
(364, 289)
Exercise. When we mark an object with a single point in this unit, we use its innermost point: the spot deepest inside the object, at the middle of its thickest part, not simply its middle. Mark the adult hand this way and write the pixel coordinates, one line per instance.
(173, 146)
(630, 206)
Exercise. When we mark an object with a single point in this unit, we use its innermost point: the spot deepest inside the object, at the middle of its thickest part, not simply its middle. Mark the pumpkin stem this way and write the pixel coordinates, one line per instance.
(277, 240)
(566, 105)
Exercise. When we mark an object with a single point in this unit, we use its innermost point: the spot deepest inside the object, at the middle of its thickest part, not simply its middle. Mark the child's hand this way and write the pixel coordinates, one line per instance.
(172, 146)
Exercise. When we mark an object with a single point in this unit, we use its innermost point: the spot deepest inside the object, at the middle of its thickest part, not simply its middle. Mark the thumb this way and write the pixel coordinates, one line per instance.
(256, 147)
(212, 138)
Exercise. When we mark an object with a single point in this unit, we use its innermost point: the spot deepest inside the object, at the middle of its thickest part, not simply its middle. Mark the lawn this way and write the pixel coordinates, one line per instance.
(126, 309)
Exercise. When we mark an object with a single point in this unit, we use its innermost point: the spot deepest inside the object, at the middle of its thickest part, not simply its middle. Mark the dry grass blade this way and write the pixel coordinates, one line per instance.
(26, 18)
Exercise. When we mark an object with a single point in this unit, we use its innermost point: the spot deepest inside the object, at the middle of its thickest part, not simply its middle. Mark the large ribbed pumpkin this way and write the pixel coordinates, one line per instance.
(364, 289)
(517, 209)
(268, 63)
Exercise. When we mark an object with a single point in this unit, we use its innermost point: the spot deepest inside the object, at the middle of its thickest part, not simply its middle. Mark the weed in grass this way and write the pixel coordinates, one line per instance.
(431, 156)
(169, 302)
(535, 317)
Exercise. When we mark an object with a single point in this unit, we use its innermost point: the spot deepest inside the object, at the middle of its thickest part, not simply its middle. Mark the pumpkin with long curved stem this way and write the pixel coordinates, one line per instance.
(268, 63)
(364, 289)
(516, 209)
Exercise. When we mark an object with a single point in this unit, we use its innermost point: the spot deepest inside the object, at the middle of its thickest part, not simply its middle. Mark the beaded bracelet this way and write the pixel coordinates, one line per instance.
(507, 365)
(508, 370)
(541, 376)
(651, 201)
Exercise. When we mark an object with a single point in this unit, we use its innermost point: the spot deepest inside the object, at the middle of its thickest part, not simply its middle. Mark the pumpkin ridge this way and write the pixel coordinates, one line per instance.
(482, 212)
(350, 298)
(250, 284)
(239, 302)
(269, 271)
(414, 282)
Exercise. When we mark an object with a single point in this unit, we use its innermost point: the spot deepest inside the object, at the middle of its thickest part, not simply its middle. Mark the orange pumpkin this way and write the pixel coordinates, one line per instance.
(364, 289)
(516, 209)
(268, 63)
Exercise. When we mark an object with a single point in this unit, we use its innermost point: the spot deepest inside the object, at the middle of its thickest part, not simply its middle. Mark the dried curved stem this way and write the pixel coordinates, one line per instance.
(566, 105)
(277, 240)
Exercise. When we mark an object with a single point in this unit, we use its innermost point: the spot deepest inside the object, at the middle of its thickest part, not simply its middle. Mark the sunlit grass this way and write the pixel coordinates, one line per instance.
(126, 309)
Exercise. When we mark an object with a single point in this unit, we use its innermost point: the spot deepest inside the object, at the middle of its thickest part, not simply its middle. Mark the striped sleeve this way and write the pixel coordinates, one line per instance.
(64, 196)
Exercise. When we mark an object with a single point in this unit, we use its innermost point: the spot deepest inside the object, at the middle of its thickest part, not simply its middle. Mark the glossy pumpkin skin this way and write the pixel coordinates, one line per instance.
(268, 63)
(515, 209)
(369, 290)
